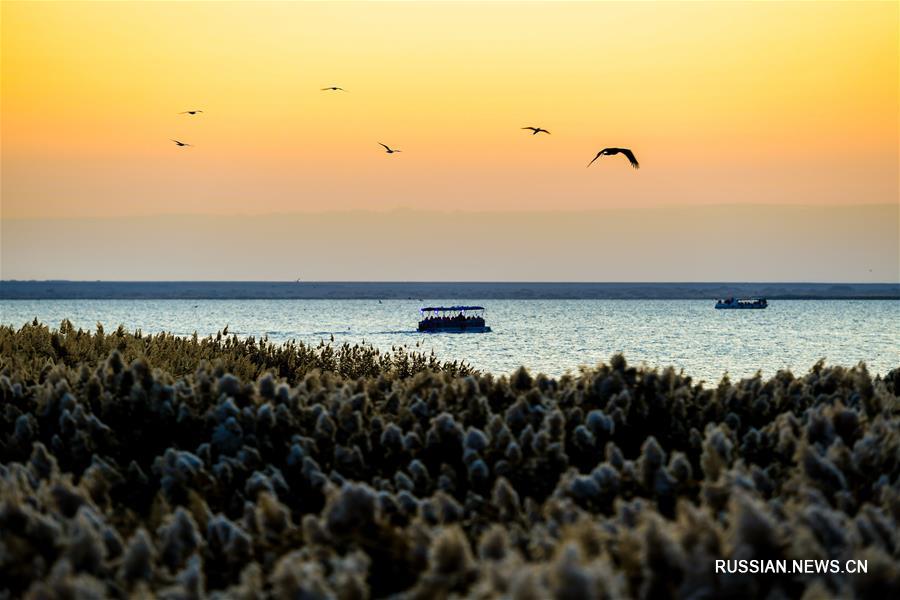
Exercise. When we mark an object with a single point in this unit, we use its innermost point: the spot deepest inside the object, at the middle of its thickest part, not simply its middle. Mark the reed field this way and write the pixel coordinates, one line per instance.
(139, 465)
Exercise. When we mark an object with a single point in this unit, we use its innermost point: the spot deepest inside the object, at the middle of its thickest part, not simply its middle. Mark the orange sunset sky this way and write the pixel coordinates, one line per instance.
(723, 103)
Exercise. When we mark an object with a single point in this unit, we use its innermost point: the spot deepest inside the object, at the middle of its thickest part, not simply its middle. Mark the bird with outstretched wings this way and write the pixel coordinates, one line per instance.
(624, 151)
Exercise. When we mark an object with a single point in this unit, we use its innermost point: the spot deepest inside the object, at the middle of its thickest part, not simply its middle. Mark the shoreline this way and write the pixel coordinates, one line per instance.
(363, 290)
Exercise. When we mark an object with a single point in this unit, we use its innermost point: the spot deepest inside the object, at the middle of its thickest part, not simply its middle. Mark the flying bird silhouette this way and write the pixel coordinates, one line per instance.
(190, 112)
(388, 149)
(181, 143)
(334, 88)
(610, 151)
(537, 130)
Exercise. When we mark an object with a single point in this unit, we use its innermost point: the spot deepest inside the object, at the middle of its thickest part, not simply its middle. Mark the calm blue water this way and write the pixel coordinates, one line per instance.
(545, 335)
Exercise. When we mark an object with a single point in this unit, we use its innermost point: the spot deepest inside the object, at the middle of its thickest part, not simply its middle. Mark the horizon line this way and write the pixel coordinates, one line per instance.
(452, 210)
(459, 281)
(63, 290)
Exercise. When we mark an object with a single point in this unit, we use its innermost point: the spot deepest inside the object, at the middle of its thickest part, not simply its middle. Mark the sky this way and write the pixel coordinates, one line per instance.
(700, 243)
(724, 104)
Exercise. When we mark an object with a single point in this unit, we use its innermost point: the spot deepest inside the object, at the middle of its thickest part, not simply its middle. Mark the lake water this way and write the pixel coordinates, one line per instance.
(551, 336)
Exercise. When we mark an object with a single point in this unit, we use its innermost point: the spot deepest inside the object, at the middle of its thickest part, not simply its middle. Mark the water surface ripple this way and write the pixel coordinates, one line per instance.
(551, 336)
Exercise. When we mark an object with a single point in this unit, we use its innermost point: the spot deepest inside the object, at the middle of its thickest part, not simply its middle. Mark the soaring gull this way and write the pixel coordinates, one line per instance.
(610, 151)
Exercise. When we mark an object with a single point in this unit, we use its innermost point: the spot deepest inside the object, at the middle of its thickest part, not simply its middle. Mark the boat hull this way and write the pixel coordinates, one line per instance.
(481, 329)
(741, 306)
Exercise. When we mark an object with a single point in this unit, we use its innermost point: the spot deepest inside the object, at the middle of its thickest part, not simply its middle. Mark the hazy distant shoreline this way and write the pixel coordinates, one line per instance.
(348, 290)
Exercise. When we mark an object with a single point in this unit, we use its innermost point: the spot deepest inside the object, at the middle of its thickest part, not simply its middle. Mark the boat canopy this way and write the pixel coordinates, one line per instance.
(450, 308)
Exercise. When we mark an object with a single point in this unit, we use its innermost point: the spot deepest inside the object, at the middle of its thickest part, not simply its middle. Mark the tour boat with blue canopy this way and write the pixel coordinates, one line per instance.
(742, 303)
(453, 319)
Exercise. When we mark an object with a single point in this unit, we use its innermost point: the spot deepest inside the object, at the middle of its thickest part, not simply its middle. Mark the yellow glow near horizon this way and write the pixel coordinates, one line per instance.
(722, 103)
